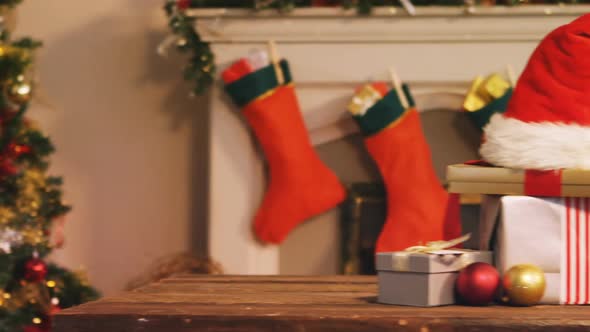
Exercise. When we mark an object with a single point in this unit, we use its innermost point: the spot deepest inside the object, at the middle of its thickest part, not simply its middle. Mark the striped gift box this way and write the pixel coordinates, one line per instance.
(551, 233)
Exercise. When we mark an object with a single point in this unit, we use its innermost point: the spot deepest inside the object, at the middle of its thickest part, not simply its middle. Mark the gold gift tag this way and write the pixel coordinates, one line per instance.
(363, 100)
(473, 101)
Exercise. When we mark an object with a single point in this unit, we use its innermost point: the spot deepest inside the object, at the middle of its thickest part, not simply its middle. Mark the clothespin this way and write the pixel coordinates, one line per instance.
(409, 7)
(397, 84)
(511, 75)
(275, 59)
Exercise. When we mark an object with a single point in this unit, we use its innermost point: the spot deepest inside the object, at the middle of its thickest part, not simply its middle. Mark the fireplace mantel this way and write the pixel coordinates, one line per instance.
(438, 52)
(520, 23)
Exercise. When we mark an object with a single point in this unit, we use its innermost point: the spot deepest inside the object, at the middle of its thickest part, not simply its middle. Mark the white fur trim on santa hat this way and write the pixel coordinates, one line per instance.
(535, 145)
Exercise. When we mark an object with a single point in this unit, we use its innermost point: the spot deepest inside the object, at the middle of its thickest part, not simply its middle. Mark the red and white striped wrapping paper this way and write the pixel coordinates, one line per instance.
(575, 282)
(552, 233)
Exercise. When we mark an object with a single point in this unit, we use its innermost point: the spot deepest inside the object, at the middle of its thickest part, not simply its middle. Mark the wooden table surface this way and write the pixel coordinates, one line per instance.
(339, 303)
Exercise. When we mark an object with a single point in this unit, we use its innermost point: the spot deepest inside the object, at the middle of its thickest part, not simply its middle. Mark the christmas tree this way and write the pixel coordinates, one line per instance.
(31, 204)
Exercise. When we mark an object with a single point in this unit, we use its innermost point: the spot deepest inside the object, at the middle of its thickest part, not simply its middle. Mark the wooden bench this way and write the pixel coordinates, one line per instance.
(340, 303)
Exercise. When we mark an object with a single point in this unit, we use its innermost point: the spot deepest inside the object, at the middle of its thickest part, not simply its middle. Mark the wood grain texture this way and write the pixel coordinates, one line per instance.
(340, 303)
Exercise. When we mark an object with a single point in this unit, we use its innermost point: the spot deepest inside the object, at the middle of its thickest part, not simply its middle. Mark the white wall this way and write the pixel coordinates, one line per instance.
(127, 135)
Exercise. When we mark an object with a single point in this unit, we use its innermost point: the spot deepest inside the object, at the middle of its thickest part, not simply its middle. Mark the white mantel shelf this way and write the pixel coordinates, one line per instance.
(436, 24)
(439, 52)
(421, 11)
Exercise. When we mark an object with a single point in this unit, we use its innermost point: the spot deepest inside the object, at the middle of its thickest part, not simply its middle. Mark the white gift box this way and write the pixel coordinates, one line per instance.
(551, 233)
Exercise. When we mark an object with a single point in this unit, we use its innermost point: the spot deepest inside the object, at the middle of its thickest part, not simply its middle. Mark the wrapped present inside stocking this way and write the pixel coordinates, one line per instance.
(486, 97)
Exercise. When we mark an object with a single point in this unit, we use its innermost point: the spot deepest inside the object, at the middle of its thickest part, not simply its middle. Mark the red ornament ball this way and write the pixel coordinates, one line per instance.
(183, 4)
(7, 167)
(18, 150)
(478, 283)
(35, 270)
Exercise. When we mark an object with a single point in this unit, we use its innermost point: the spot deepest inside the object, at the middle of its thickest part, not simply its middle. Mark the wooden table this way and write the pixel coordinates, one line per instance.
(225, 303)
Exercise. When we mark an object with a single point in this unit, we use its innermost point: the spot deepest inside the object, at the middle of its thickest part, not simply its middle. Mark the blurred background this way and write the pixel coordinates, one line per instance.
(129, 141)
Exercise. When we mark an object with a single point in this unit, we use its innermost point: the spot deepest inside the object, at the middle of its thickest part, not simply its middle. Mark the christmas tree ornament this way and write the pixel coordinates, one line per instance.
(17, 150)
(547, 123)
(10, 51)
(19, 92)
(7, 167)
(35, 270)
(300, 184)
(32, 235)
(477, 284)
(419, 210)
(6, 215)
(524, 284)
(9, 238)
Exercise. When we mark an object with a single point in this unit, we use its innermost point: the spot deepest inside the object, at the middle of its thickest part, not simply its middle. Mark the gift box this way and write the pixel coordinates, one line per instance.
(484, 179)
(551, 233)
(423, 279)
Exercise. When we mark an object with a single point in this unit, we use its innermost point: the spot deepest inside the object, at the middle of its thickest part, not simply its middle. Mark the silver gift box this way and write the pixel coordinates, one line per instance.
(423, 280)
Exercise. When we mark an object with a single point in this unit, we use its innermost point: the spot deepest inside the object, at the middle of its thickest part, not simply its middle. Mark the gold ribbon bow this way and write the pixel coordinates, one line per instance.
(434, 246)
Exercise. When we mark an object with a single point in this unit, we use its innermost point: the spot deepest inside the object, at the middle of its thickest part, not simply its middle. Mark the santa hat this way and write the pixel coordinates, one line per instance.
(547, 123)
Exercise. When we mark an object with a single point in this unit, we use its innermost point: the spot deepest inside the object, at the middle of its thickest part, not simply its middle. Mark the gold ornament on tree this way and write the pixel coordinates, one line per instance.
(6, 215)
(20, 91)
(33, 235)
(524, 285)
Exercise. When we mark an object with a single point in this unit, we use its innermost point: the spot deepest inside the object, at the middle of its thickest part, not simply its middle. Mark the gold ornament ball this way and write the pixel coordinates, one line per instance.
(524, 284)
(20, 92)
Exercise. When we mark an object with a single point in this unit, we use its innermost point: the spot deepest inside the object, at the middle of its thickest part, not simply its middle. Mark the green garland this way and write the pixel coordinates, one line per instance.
(201, 67)
(201, 64)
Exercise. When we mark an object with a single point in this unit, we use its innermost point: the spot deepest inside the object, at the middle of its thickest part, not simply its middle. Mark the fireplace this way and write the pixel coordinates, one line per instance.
(438, 52)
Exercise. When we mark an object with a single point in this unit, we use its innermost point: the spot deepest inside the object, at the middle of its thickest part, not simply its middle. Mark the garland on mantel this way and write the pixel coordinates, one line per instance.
(201, 67)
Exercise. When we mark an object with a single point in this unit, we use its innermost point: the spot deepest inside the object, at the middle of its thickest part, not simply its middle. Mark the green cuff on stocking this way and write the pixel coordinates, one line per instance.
(384, 112)
(482, 116)
(256, 84)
